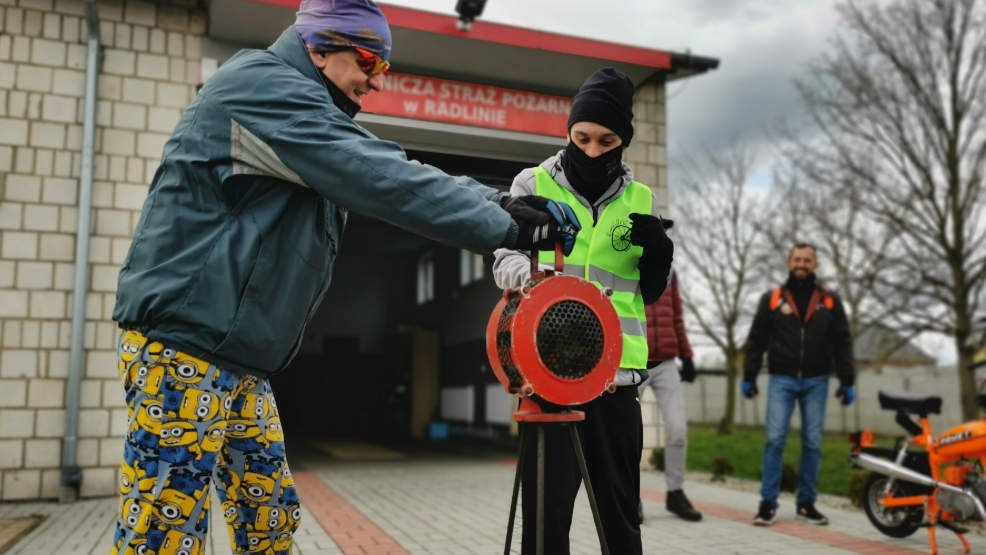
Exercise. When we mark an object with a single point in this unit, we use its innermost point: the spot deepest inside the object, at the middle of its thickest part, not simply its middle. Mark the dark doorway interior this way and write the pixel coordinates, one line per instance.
(344, 393)
(355, 373)
(495, 173)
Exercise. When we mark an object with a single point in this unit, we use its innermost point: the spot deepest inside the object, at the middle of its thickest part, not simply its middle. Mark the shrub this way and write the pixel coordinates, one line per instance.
(855, 490)
(657, 458)
(721, 467)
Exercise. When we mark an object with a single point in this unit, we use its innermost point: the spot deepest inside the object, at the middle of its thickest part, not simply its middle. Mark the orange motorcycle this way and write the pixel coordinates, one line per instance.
(942, 483)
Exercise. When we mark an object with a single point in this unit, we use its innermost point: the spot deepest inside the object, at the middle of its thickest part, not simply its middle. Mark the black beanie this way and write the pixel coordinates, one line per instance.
(606, 98)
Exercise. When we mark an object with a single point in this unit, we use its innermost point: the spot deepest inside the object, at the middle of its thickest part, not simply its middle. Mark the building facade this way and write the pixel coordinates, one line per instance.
(412, 346)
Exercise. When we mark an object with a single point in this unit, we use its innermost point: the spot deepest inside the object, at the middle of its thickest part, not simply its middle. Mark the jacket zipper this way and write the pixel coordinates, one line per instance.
(595, 208)
(801, 363)
(301, 335)
(318, 300)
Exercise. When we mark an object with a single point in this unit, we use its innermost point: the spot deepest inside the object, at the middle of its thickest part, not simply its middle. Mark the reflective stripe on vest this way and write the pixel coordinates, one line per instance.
(604, 256)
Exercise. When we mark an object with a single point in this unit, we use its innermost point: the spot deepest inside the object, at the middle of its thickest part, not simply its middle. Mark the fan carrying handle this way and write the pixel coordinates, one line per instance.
(559, 259)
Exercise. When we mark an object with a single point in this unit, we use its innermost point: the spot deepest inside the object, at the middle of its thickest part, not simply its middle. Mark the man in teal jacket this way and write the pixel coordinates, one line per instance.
(234, 252)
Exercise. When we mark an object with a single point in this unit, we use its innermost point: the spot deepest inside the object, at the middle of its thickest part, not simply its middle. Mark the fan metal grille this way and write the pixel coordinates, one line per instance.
(569, 339)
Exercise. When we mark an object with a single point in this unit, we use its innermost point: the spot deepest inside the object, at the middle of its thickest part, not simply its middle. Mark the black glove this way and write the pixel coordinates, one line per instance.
(531, 208)
(655, 263)
(542, 223)
(648, 232)
(687, 370)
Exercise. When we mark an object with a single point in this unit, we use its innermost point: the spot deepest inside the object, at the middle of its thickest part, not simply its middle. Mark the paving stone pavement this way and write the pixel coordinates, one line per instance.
(457, 505)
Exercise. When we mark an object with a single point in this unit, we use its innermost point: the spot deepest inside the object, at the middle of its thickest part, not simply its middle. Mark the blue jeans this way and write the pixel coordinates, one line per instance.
(782, 393)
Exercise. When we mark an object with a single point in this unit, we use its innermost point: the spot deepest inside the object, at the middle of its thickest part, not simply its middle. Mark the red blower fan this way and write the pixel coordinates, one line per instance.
(557, 338)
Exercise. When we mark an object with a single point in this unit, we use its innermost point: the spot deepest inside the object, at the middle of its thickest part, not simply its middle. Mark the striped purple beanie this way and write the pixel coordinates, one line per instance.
(327, 25)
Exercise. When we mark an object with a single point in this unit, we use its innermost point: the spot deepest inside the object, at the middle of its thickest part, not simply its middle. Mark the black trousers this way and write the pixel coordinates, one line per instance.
(612, 438)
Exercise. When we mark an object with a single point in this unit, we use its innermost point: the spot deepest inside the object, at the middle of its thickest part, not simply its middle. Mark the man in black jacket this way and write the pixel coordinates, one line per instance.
(803, 328)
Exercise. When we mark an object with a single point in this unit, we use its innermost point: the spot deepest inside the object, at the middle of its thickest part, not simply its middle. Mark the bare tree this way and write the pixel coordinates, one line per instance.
(853, 248)
(718, 249)
(901, 105)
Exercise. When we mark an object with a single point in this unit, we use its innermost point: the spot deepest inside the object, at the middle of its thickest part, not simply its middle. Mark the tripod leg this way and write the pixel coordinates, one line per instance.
(513, 499)
(540, 505)
(580, 456)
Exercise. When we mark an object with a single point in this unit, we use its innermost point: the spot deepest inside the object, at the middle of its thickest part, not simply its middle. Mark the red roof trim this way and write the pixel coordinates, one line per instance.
(431, 22)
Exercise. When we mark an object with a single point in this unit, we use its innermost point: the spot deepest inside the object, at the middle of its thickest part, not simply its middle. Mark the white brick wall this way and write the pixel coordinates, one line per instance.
(50, 423)
(118, 141)
(10, 215)
(98, 481)
(13, 304)
(646, 158)
(34, 275)
(13, 393)
(120, 62)
(152, 66)
(11, 453)
(59, 191)
(16, 423)
(151, 61)
(55, 246)
(59, 108)
(22, 187)
(150, 145)
(19, 246)
(12, 131)
(50, 135)
(17, 363)
(42, 453)
(21, 484)
(7, 269)
(32, 78)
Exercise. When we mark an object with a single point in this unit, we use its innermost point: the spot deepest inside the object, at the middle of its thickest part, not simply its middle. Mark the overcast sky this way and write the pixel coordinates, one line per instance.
(761, 45)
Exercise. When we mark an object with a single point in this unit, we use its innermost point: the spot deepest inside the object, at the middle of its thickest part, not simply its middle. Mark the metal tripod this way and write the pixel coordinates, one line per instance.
(540, 420)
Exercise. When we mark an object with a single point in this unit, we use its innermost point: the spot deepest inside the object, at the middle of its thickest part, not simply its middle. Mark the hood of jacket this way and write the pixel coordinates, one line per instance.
(290, 48)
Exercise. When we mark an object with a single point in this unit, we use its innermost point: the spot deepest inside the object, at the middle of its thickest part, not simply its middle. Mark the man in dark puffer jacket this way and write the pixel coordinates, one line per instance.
(802, 328)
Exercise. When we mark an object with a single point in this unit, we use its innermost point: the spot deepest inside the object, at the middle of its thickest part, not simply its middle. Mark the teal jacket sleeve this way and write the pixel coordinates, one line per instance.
(289, 125)
(349, 166)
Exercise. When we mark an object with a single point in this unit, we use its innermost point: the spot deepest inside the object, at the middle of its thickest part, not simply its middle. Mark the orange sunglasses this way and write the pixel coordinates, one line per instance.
(370, 63)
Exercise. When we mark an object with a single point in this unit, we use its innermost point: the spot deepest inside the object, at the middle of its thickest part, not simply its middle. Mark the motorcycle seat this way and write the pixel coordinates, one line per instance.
(914, 403)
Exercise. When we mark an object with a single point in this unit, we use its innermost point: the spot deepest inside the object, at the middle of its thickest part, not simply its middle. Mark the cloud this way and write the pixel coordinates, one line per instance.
(762, 46)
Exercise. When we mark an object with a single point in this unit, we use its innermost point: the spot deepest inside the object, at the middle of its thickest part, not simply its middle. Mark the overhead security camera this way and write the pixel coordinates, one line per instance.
(468, 11)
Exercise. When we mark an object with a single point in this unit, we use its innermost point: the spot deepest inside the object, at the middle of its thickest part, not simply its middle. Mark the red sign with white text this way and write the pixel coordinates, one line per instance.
(416, 97)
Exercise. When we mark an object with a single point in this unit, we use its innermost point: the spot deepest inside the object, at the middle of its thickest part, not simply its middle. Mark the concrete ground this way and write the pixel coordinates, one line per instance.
(456, 502)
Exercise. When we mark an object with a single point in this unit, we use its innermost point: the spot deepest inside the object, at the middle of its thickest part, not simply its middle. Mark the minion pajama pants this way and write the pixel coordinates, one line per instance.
(191, 424)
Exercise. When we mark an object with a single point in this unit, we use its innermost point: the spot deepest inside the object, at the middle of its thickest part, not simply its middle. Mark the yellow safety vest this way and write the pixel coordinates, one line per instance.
(604, 256)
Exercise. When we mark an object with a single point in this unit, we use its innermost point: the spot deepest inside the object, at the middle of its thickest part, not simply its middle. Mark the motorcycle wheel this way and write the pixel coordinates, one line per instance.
(896, 523)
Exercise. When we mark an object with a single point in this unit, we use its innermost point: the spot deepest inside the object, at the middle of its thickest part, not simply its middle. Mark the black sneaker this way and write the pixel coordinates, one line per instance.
(808, 513)
(766, 514)
(677, 503)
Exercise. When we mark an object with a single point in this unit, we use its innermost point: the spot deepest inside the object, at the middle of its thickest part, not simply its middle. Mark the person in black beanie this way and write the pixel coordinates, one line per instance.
(623, 236)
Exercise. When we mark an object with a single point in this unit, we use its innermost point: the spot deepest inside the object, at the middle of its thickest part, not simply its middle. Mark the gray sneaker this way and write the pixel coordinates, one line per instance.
(766, 514)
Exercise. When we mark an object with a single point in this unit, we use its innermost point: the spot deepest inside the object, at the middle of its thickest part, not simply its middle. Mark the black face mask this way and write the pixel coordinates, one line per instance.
(339, 98)
(591, 176)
